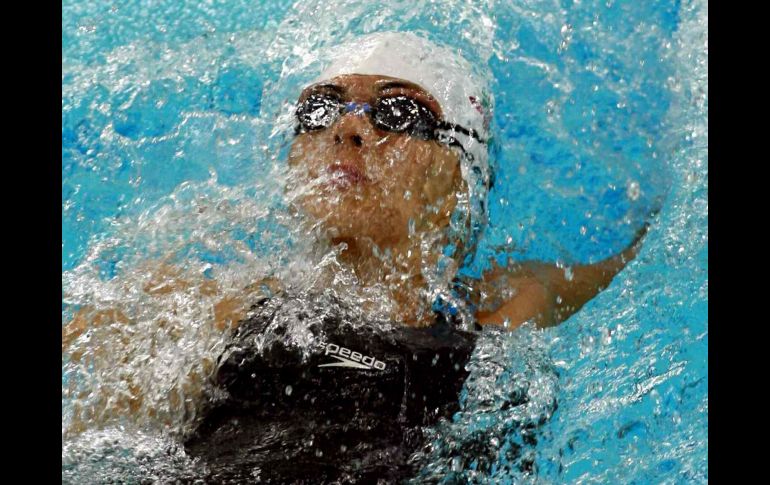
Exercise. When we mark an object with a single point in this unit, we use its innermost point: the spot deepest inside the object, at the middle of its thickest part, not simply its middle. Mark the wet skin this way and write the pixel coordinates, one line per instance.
(365, 183)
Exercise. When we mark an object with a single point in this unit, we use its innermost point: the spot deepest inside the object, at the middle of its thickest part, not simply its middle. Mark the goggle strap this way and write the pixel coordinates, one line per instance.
(446, 126)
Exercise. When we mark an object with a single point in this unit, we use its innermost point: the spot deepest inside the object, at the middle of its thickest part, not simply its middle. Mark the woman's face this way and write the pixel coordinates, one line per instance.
(361, 181)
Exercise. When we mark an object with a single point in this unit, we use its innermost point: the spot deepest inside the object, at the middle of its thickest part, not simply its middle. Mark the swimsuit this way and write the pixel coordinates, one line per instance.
(306, 392)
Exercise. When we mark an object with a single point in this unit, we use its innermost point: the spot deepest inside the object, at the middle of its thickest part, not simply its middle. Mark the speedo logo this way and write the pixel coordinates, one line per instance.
(348, 358)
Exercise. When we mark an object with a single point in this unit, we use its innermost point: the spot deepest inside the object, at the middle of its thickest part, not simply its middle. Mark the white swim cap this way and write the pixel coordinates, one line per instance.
(462, 94)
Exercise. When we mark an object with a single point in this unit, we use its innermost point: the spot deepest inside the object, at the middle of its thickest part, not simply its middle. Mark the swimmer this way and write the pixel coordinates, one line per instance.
(389, 164)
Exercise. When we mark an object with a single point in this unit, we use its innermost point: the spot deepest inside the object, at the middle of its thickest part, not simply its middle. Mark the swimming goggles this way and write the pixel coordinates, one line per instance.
(396, 114)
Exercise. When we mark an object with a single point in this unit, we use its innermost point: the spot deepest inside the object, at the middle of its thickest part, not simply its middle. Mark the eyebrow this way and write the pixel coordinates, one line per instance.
(328, 86)
(399, 84)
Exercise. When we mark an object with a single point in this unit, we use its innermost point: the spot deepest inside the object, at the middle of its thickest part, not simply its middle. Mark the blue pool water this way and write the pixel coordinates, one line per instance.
(170, 145)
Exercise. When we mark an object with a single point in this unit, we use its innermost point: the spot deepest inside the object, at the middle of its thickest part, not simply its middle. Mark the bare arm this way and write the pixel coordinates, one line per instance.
(546, 293)
(228, 310)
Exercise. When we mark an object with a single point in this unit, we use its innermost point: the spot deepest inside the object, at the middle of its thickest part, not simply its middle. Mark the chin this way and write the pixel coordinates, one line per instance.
(337, 228)
(349, 218)
(350, 225)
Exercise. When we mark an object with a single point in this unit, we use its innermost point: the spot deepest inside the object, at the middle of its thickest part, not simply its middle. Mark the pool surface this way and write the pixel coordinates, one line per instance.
(174, 142)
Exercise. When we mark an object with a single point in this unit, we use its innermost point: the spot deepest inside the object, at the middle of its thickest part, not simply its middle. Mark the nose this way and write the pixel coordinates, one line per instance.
(353, 130)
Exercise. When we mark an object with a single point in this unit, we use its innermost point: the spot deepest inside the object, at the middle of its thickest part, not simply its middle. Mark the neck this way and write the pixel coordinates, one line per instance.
(396, 268)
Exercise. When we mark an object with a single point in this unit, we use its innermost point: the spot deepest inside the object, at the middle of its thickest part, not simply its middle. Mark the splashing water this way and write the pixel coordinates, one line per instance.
(175, 132)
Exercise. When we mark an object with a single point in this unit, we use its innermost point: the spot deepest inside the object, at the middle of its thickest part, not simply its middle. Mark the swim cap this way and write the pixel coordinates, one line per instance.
(464, 98)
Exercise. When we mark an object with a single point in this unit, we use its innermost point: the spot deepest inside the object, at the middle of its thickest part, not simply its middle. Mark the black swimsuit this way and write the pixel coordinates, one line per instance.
(339, 401)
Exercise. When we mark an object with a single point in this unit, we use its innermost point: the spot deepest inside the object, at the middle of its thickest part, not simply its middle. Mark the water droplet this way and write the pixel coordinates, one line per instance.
(606, 337)
(633, 191)
(568, 273)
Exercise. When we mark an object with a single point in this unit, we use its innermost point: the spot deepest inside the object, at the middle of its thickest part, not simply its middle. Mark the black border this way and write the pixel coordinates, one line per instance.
(33, 235)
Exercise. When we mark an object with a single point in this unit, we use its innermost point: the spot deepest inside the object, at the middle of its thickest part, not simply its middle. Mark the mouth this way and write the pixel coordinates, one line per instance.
(344, 176)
